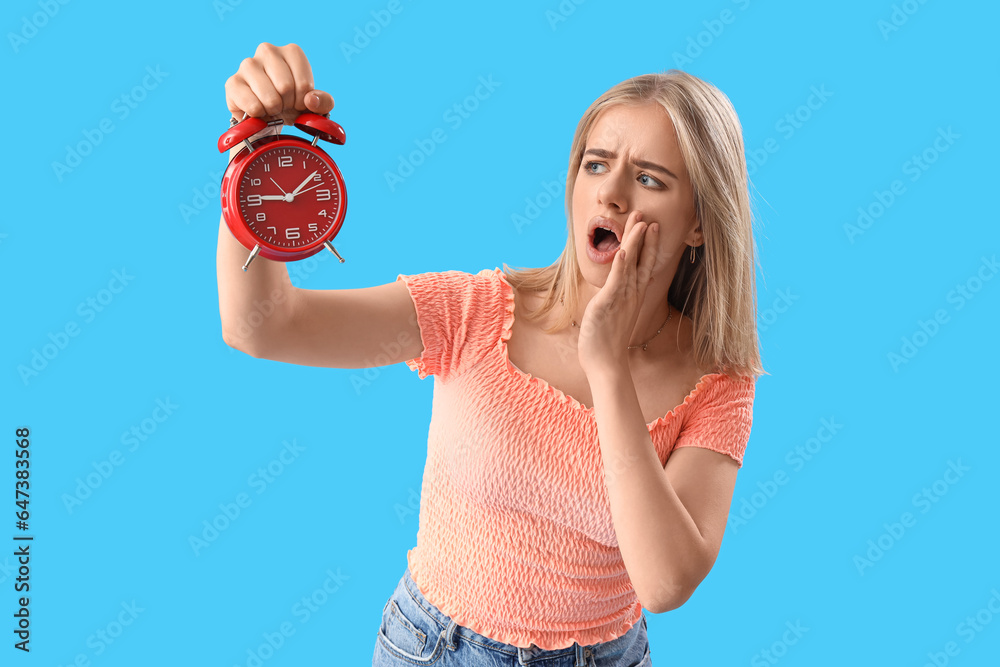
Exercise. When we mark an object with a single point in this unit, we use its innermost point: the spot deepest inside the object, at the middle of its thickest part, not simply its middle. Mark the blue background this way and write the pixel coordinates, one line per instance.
(834, 305)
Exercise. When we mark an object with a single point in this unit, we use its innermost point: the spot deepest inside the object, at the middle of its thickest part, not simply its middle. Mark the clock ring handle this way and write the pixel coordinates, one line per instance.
(241, 130)
(322, 127)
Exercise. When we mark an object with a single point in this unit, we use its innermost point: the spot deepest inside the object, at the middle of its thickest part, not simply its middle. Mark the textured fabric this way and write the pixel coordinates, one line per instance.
(516, 540)
(415, 632)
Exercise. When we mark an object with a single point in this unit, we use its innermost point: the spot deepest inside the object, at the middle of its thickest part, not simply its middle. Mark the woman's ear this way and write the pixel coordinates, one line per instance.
(695, 237)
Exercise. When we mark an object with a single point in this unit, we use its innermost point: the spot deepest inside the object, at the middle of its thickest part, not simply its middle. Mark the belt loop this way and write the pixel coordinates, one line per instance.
(579, 656)
(449, 635)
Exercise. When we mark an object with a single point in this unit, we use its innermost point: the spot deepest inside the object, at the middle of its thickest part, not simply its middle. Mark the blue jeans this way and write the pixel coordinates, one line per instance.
(415, 632)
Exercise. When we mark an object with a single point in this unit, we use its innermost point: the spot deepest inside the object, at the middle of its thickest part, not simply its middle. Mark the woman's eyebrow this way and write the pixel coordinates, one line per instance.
(644, 164)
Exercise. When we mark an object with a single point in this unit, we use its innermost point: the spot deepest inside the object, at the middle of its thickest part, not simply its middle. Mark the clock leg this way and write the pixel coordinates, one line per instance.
(253, 253)
(334, 251)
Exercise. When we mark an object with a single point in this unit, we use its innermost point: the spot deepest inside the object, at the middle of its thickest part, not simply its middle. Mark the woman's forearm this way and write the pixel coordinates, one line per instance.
(662, 548)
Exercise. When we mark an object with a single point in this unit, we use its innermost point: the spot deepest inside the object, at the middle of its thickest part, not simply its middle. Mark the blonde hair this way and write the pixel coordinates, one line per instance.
(717, 291)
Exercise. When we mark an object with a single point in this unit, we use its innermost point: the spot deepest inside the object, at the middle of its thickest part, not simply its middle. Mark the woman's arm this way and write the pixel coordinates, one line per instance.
(262, 313)
(277, 81)
(669, 530)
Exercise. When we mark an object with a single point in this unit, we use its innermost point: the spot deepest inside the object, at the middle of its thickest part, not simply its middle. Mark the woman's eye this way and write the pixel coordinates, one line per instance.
(652, 181)
(587, 166)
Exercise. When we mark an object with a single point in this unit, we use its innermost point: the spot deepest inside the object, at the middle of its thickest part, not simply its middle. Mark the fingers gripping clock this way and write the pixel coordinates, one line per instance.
(283, 197)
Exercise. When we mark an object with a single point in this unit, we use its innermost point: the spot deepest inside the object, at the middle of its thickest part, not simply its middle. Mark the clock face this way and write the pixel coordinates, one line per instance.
(290, 197)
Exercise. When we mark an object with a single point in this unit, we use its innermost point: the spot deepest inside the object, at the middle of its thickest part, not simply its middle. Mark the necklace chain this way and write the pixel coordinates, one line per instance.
(642, 345)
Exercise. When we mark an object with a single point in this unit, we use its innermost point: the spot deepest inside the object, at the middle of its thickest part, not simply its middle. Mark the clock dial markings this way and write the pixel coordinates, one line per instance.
(287, 227)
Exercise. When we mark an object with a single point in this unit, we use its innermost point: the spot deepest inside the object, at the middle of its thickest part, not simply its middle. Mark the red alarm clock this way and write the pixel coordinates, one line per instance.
(283, 197)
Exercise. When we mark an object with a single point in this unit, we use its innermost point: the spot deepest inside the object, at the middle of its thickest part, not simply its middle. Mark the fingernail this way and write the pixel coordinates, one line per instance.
(316, 98)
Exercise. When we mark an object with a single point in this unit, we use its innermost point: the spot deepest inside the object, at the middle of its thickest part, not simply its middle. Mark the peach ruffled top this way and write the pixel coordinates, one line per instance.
(515, 539)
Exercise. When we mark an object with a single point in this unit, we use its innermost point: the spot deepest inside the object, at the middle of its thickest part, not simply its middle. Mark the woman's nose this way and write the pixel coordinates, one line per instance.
(613, 192)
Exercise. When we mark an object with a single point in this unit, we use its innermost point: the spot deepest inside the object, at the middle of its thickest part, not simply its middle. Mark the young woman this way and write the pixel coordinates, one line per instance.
(589, 417)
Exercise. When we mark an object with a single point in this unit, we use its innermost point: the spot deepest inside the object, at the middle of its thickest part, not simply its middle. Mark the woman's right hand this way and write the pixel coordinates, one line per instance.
(276, 82)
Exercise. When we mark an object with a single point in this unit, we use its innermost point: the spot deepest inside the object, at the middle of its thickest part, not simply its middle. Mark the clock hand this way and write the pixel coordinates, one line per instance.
(303, 184)
(279, 187)
(308, 189)
(290, 196)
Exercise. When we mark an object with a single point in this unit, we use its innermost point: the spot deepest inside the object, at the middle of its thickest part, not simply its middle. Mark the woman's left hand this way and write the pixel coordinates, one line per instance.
(611, 314)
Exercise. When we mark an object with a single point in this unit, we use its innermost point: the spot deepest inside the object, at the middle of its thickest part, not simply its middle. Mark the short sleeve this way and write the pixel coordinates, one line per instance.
(459, 315)
(722, 418)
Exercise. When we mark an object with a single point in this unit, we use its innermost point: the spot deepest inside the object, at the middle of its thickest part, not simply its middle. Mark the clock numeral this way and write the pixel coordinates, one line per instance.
(253, 200)
(318, 177)
(313, 227)
(254, 181)
(323, 212)
(292, 233)
(322, 195)
(261, 217)
(267, 167)
(285, 161)
(274, 231)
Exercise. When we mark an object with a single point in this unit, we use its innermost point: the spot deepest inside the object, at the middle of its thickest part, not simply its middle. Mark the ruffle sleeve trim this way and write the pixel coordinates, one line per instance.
(418, 364)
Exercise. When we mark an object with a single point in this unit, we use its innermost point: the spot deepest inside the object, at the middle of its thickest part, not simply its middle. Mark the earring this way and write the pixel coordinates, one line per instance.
(692, 254)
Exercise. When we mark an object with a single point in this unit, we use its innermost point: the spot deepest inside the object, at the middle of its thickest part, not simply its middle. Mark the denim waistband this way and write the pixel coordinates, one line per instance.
(524, 655)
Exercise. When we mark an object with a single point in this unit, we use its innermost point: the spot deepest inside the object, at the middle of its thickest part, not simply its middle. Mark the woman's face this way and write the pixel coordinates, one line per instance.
(631, 161)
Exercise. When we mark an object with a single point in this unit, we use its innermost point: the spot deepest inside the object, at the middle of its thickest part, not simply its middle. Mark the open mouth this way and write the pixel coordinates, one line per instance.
(604, 239)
